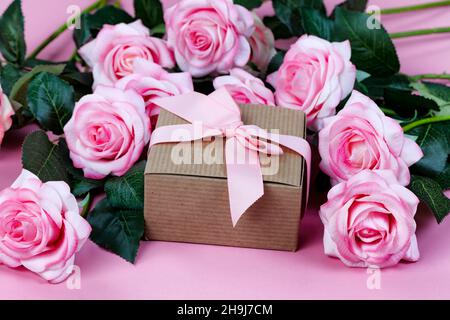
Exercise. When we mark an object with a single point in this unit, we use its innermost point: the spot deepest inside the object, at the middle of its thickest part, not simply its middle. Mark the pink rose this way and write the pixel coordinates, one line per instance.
(112, 53)
(151, 81)
(245, 88)
(107, 132)
(41, 227)
(447, 193)
(314, 77)
(369, 221)
(6, 112)
(361, 137)
(209, 35)
(262, 43)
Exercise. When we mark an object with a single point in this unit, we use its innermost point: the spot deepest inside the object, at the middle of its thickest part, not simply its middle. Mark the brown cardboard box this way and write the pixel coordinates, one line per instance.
(189, 202)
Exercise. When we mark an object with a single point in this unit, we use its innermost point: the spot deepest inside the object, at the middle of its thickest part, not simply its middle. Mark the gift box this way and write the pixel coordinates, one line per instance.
(186, 196)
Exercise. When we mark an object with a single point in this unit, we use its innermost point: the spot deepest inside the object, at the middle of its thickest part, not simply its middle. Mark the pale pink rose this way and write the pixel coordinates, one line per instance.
(262, 43)
(447, 193)
(41, 227)
(151, 81)
(209, 35)
(361, 137)
(6, 112)
(369, 221)
(112, 53)
(107, 132)
(245, 88)
(314, 77)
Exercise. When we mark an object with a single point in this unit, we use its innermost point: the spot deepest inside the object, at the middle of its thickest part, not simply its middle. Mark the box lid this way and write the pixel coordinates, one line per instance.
(285, 169)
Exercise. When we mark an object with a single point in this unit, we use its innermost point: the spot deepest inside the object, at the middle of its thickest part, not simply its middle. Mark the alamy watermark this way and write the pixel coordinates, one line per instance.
(374, 279)
(74, 19)
(73, 282)
(212, 149)
(374, 19)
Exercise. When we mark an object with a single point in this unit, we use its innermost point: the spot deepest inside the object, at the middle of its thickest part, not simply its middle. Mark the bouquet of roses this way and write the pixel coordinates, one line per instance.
(383, 136)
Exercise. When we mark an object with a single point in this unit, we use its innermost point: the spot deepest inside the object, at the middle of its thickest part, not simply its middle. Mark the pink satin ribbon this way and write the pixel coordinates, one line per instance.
(219, 115)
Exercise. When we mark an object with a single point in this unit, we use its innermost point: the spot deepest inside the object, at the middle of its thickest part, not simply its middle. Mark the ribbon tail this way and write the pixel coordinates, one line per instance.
(245, 182)
(301, 146)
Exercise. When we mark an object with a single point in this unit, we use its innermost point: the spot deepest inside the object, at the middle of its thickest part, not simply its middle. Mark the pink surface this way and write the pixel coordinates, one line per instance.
(185, 271)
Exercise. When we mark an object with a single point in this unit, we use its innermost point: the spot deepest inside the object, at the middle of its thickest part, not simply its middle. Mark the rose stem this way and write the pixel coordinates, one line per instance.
(414, 7)
(430, 76)
(421, 122)
(419, 32)
(98, 4)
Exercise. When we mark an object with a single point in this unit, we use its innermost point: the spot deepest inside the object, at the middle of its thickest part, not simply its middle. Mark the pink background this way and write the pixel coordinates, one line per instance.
(186, 271)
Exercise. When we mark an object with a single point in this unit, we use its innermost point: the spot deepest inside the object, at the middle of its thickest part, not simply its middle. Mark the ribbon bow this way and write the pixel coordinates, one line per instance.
(219, 115)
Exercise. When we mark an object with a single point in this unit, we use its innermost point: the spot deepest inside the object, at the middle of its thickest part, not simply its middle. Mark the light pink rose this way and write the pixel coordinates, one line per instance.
(107, 132)
(262, 43)
(112, 53)
(6, 112)
(245, 88)
(369, 221)
(151, 81)
(41, 227)
(361, 137)
(209, 35)
(314, 77)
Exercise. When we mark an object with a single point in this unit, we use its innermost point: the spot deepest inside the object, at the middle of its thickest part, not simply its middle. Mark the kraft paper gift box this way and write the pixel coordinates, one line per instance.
(189, 202)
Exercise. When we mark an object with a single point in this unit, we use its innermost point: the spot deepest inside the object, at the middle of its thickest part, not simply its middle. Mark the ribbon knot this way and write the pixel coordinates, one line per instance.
(231, 132)
(222, 117)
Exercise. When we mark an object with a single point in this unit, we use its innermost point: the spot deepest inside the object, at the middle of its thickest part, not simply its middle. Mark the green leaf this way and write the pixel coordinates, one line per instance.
(362, 75)
(249, 4)
(34, 62)
(84, 205)
(437, 92)
(372, 49)
(289, 16)
(434, 140)
(359, 86)
(107, 15)
(51, 162)
(159, 30)
(83, 34)
(406, 104)
(355, 5)
(84, 185)
(279, 29)
(149, 11)
(20, 88)
(51, 101)
(12, 39)
(430, 192)
(8, 77)
(79, 78)
(443, 178)
(127, 191)
(288, 11)
(377, 85)
(117, 230)
(315, 22)
(91, 24)
(276, 62)
(44, 158)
